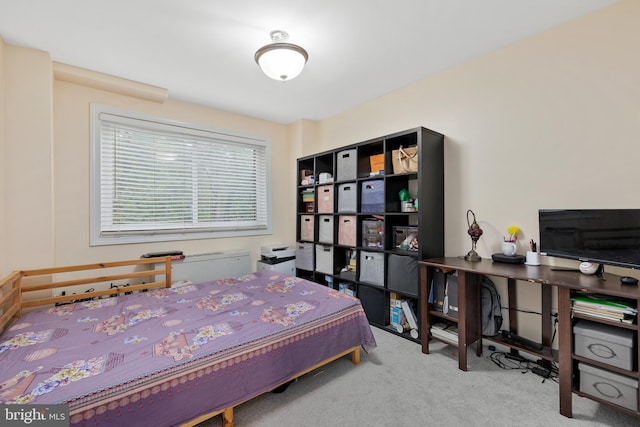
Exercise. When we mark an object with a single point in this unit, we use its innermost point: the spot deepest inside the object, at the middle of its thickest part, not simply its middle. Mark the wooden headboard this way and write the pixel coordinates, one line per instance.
(17, 295)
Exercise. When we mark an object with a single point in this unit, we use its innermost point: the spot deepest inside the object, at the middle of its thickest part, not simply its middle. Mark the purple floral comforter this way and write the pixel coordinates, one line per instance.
(169, 355)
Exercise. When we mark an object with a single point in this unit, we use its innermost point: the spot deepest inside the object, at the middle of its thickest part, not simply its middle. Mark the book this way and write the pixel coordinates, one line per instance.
(604, 302)
(604, 307)
(445, 332)
(411, 318)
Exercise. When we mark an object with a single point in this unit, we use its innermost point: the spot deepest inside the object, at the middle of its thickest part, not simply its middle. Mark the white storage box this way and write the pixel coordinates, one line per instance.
(605, 385)
(604, 343)
(325, 229)
(347, 165)
(372, 267)
(324, 259)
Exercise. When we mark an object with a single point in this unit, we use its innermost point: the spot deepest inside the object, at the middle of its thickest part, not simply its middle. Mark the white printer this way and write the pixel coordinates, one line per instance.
(280, 258)
(275, 252)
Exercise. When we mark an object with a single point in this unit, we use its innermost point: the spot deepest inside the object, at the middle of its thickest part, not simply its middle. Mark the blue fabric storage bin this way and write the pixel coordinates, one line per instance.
(372, 196)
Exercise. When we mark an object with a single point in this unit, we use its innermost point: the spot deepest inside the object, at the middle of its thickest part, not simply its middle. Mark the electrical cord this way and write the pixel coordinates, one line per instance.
(511, 361)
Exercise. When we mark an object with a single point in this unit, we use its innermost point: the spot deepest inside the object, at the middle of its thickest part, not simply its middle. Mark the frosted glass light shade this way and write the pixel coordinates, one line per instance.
(281, 61)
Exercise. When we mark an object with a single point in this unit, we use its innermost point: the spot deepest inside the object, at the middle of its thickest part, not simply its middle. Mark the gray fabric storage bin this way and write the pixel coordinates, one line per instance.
(347, 165)
(606, 385)
(325, 229)
(372, 196)
(324, 259)
(372, 267)
(304, 256)
(348, 197)
(604, 343)
(402, 274)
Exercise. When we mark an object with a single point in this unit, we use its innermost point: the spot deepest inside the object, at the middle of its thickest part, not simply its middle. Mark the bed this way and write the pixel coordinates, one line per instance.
(163, 354)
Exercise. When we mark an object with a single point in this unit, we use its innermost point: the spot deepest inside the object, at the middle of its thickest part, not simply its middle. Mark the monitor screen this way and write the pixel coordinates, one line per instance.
(604, 236)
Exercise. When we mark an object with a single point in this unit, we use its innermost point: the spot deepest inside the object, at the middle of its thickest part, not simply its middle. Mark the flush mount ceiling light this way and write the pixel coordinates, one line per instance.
(281, 61)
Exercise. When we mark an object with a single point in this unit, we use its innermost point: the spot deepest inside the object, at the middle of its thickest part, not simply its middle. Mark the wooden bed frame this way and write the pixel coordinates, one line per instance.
(16, 296)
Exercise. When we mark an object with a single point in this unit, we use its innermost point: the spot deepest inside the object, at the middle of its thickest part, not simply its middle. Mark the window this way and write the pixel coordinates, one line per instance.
(153, 179)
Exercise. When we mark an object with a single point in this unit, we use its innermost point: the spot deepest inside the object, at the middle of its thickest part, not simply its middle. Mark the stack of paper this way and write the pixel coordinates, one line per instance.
(604, 307)
(446, 332)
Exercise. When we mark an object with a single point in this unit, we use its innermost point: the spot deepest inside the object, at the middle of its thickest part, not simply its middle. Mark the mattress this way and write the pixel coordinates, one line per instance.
(166, 356)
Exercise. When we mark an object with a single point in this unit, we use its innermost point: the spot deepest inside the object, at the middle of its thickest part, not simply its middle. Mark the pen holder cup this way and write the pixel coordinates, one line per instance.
(533, 258)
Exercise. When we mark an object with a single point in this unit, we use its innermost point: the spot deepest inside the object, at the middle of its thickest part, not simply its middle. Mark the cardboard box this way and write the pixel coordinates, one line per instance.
(398, 316)
(306, 177)
(376, 162)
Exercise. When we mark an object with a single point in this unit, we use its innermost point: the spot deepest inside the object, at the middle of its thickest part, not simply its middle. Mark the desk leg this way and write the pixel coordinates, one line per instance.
(426, 276)
(469, 320)
(564, 351)
(513, 303)
(546, 314)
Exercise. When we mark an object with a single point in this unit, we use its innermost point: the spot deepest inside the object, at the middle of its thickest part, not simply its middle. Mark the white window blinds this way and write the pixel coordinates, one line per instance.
(161, 179)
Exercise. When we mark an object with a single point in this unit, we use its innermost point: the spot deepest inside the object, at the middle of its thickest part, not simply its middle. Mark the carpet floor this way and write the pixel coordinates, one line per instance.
(396, 385)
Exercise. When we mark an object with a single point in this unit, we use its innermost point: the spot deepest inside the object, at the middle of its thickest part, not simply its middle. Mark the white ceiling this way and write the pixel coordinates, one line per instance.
(202, 50)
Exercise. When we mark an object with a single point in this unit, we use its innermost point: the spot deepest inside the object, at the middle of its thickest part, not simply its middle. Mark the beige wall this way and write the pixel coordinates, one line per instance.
(27, 171)
(548, 122)
(45, 167)
(3, 237)
(71, 124)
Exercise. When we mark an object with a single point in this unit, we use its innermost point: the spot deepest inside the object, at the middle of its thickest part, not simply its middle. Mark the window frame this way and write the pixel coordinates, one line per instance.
(97, 238)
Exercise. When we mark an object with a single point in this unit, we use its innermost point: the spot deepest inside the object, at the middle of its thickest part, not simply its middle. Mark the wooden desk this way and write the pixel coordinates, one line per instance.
(469, 310)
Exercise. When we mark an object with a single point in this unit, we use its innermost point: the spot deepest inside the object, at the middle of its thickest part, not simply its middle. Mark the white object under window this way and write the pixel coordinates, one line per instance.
(154, 179)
